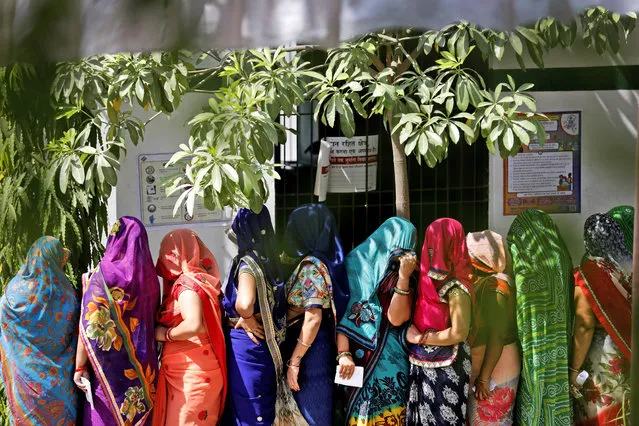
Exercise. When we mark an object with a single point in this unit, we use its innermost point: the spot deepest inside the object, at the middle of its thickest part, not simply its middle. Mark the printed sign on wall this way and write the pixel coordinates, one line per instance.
(547, 177)
(156, 208)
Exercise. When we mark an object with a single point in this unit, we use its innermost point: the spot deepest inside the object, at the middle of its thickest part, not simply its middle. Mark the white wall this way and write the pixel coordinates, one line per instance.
(163, 135)
(609, 139)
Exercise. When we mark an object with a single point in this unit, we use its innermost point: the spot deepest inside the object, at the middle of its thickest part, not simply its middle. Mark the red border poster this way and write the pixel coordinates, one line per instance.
(547, 177)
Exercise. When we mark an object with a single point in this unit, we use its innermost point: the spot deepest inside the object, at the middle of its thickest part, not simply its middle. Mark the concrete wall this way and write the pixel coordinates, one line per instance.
(164, 135)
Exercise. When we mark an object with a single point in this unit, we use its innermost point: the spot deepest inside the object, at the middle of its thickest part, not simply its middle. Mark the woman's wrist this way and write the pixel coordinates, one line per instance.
(247, 318)
(80, 368)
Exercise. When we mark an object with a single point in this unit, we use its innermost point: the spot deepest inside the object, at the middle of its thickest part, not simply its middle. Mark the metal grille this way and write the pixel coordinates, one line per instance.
(456, 188)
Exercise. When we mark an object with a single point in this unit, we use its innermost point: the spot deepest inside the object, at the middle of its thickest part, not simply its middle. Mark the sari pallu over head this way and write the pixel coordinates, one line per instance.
(544, 291)
(605, 283)
(117, 324)
(185, 262)
(39, 313)
(444, 263)
(312, 231)
(366, 267)
(255, 238)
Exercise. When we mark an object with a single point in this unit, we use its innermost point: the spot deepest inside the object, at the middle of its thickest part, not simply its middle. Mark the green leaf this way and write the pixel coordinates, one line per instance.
(139, 91)
(434, 138)
(409, 147)
(355, 86)
(481, 42)
(216, 178)
(509, 140)
(77, 171)
(521, 135)
(453, 131)
(64, 174)
(497, 130)
(230, 172)
(516, 43)
(330, 112)
(347, 121)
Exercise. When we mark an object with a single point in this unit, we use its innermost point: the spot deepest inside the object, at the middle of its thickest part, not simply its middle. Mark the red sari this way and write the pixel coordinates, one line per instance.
(192, 382)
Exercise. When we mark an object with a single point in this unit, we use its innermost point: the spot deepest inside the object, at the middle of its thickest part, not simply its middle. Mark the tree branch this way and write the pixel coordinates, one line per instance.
(156, 115)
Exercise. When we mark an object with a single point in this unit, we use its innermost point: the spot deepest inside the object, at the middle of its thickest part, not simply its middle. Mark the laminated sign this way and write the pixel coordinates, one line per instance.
(347, 165)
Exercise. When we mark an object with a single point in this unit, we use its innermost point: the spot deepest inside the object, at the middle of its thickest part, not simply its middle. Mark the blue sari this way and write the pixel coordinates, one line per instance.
(257, 393)
(314, 246)
(376, 345)
(39, 315)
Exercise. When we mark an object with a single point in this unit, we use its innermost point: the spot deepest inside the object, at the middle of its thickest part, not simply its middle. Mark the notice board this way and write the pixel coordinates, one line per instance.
(156, 209)
(547, 177)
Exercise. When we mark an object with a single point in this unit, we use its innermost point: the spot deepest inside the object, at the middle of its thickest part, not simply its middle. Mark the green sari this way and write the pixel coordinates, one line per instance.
(543, 275)
(625, 216)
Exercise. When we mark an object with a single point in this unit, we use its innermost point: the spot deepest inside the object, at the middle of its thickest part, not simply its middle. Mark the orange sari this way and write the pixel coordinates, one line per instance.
(192, 382)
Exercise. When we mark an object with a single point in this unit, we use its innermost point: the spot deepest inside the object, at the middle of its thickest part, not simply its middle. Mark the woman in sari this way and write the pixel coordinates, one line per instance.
(603, 325)
(440, 368)
(255, 305)
(120, 298)
(317, 294)
(495, 351)
(372, 333)
(192, 381)
(39, 313)
(543, 279)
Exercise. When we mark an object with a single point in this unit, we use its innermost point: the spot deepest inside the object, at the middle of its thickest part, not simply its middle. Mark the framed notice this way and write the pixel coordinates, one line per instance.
(547, 177)
(352, 164)
(156, 209)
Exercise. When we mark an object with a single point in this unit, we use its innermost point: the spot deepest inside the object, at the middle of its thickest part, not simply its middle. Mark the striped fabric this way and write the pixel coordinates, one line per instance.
(542, 267)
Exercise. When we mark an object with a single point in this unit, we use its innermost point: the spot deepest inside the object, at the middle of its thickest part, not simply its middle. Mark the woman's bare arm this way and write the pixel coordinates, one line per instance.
(246, 295)
(401, 305)
(585, 322)
(460, 315)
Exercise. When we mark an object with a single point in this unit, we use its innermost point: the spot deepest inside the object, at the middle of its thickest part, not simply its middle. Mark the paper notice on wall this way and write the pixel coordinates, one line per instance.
(323, 165)
(353, 164)
(156, 208)
(547, 176)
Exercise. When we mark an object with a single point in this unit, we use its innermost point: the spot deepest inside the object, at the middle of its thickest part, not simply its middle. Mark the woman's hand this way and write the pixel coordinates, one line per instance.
(291, 377)
(413, 335)
(77, 377)
(346, 367)
(160, 333)
(573, 379)
(407, 264)
(482, 389)
(253, 328)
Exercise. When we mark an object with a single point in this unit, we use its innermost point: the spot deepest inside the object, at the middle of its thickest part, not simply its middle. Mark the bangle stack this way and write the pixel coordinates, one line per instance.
(167, 335)
(306, 345)
(401, 291)
(343, 354)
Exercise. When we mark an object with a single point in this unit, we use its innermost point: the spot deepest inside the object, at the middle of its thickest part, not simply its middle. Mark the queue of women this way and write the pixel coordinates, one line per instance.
(479, 331)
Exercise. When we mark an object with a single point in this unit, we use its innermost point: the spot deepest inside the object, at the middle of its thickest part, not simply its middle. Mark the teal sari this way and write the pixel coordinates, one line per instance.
(376, 345)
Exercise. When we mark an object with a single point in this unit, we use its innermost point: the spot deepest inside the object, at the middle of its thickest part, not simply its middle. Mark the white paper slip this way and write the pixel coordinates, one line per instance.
(88, 393)
(357, 381)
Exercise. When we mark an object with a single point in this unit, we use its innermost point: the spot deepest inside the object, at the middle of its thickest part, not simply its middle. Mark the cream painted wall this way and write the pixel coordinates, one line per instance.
(609, 139)
(163, 135)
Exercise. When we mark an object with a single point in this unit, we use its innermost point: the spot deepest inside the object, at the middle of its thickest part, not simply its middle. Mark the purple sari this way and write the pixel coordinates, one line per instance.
(120, 300)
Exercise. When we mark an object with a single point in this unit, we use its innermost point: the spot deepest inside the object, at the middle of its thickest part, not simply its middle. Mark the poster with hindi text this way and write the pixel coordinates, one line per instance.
(547, 177)
(352, 164)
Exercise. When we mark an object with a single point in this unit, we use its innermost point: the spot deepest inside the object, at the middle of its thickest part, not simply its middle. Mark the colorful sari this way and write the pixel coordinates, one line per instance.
(192, 381)
(117, 328)
(543, 279)
(439, 375)
(258, 392)
(376, 345)
(608, 290)
(39, 314)
(490, 262)
(313, 244)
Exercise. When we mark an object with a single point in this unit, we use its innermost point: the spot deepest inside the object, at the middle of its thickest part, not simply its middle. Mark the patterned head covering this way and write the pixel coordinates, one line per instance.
(625, 217)
(39, 317)
(312, 231)
(488, 254)
(366, 266)
(603, 237)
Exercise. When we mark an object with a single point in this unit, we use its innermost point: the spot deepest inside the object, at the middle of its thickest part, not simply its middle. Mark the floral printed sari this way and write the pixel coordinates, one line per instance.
(39, 313)
(119, 302)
